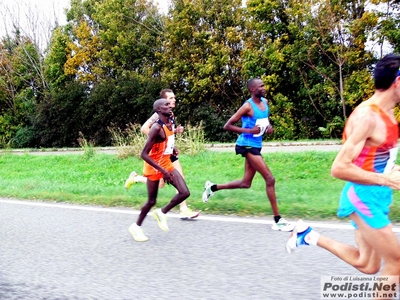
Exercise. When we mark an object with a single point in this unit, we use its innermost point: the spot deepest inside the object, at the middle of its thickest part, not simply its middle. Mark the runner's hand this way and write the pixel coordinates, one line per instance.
(394, 178)
(255, 130)
(179, 129)
(168, 177)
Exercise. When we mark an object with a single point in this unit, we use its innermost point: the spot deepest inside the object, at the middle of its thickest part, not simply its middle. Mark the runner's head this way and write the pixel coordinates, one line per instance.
(256, 87)
(163, 106)
(169, 95)
(386, 71)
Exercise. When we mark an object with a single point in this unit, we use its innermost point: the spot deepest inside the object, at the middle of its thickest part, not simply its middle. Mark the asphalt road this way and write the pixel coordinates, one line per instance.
(56, 251)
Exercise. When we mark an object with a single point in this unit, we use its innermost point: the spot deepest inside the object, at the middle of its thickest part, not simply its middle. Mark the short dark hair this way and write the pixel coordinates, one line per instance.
(164, 92)
(158, 103)
(250, 82)
(386, 71)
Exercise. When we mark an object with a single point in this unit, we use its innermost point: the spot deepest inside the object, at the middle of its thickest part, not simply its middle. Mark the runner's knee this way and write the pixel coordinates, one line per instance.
(151, 202)
(245, 185)
(185, 194)
(271, 181)
(367, 266)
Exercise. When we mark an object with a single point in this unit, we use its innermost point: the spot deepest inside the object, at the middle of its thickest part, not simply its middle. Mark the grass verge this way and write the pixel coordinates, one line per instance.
(304, 185)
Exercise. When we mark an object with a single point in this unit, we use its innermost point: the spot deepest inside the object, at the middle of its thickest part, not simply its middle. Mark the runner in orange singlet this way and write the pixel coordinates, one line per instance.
(156, 153)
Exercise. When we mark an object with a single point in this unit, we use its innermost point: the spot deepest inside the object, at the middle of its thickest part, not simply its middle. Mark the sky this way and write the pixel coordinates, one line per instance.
(32, 15)
(35, 18)
(48, 8)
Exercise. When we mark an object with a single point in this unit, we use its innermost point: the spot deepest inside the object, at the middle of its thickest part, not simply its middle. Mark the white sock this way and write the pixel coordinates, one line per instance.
(184, 208)
(139, 178)
(312, 237)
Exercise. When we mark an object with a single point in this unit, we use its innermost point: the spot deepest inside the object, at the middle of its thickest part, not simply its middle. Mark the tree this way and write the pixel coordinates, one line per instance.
(340, 30)
(314, 57)
(95, 51)
(21, 87)
(201, 59)
(273, 29)
(56, 58)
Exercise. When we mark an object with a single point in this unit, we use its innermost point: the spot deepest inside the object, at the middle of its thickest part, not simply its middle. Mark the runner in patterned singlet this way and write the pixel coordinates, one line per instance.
(366, 161)
(371, 202)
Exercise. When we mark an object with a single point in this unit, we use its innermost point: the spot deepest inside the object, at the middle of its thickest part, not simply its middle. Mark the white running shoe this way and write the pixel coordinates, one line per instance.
(283, 225)
(298, 237)
(137, 233)
(131, 180)
(188, 214)
(207, 191)
(161, 219)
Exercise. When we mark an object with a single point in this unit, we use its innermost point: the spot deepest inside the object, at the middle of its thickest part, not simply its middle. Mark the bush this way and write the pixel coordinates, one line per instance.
(23, 138)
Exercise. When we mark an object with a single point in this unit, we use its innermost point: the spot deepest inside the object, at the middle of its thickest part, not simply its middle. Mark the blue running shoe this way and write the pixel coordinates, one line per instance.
(298, 237)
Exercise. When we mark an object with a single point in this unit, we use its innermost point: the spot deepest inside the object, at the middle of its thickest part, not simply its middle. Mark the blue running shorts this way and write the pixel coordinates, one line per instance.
(370, 202)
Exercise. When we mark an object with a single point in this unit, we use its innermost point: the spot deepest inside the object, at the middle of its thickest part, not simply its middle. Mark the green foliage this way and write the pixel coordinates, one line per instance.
(21, 87)
(117, 103)
(212, 119)
(282, 118)
(387, 29)
(56, 58)
(121, 22)
(107, 65)
(201, 59)
(23, 138)
(59, 117)
(112, 38)
(333, 129)
(359, 86)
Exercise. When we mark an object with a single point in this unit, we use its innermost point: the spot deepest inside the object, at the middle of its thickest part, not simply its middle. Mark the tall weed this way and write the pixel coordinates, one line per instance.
(87, 147)
(130, 141)
(191, 141)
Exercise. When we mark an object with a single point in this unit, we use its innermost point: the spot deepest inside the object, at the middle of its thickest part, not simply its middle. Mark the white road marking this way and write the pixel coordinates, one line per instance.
(250, 220)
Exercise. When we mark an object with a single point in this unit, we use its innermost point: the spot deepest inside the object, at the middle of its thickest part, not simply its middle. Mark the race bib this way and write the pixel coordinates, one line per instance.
(170, 145)
(263, 124)
(392, 160)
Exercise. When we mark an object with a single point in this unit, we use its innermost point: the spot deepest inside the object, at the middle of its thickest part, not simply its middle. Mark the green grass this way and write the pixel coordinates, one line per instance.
(304, 186)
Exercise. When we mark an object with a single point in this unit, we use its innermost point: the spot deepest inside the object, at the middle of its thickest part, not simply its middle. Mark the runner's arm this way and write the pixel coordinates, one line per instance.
(343, 166)
(147, 125)
(245, 109)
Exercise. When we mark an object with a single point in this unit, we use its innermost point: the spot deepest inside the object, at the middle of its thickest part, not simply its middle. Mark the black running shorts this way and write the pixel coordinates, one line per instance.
(243, 150)
(174, 158)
